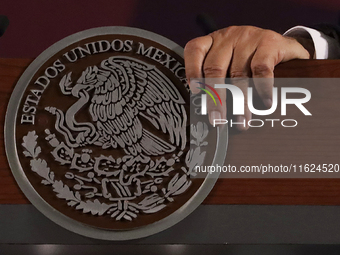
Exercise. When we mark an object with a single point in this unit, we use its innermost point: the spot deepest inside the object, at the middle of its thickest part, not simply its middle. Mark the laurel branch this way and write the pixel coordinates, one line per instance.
(121, 209)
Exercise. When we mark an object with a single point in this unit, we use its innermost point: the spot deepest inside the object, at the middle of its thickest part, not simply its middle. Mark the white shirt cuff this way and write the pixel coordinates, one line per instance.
(321, 41)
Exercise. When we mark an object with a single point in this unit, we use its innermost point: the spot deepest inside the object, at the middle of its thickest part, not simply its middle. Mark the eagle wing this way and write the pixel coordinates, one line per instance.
(155, 97)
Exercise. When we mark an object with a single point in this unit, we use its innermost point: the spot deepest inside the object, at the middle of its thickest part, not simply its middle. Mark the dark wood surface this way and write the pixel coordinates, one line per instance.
(244, 145)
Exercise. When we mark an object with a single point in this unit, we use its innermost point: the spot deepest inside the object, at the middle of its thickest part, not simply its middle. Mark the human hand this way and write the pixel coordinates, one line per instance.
(240, 52)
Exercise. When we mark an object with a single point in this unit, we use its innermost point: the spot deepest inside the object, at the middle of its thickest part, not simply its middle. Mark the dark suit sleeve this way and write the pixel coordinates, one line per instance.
(329, 30)
(333, 33)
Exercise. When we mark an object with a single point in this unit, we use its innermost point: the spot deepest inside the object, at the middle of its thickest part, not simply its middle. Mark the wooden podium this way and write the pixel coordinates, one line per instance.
(226, 191)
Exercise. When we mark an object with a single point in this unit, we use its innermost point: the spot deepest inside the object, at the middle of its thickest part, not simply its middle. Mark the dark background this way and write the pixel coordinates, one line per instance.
(37, 24)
